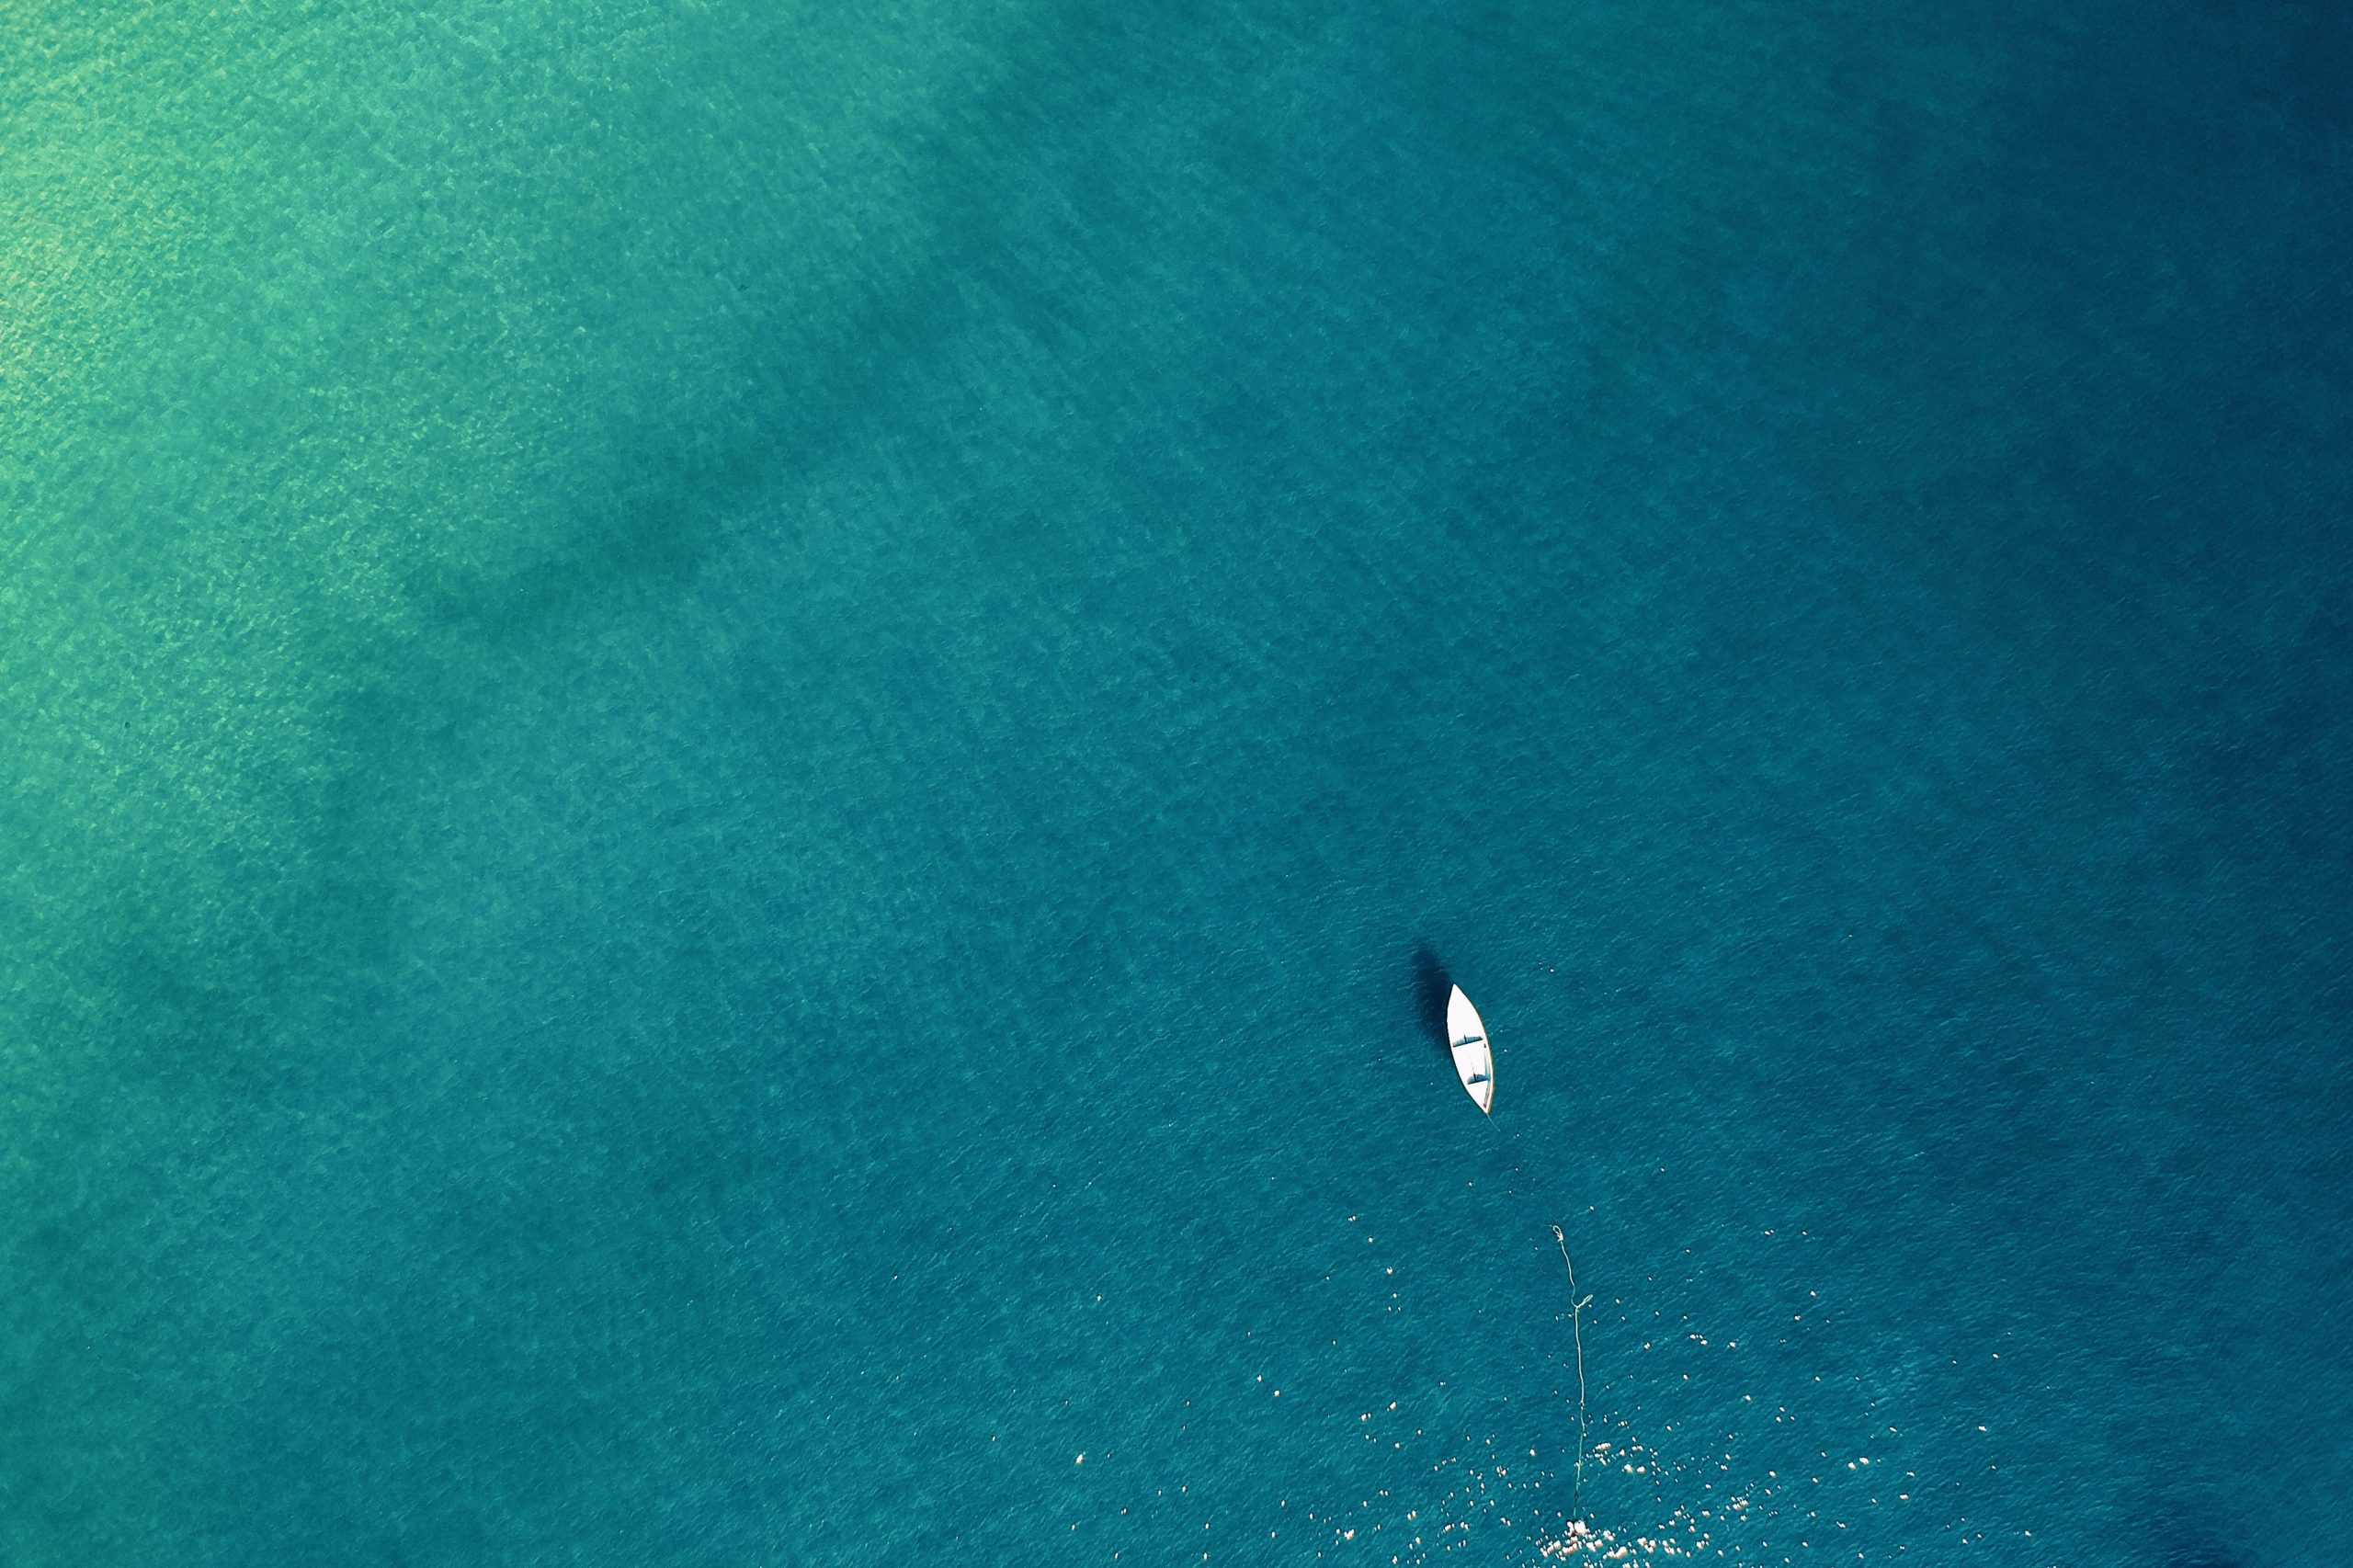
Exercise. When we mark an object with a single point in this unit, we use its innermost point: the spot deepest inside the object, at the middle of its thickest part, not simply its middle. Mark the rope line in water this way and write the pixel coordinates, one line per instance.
(1576, 1327)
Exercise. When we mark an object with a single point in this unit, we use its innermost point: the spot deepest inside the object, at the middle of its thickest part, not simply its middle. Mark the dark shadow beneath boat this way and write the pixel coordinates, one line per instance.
(1432, 986)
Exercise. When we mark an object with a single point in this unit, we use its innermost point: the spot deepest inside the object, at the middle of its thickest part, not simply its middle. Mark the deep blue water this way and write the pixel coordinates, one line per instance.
(825, 962)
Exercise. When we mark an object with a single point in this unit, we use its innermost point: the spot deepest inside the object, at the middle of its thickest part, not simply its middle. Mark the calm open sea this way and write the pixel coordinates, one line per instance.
(739, 739)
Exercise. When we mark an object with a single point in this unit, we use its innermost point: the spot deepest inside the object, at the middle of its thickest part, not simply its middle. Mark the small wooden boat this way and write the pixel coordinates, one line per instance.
(1474, 1061)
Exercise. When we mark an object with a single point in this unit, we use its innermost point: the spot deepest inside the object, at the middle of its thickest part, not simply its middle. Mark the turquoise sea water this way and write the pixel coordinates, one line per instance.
(738, 740)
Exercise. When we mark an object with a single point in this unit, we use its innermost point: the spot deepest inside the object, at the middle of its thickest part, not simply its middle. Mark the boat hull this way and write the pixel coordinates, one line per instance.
(1474, 1057)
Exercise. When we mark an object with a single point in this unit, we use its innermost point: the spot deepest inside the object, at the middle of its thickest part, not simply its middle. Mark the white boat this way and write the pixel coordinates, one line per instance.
(1474, 1062)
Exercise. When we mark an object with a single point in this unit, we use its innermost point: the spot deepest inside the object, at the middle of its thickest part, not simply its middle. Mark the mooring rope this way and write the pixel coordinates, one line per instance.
(1576, 1327)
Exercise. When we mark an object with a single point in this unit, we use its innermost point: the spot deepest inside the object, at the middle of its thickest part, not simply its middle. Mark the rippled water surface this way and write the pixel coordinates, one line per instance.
(740, 740)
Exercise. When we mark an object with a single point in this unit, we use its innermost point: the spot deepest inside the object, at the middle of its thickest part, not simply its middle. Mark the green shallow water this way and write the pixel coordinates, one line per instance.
(738, 740)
